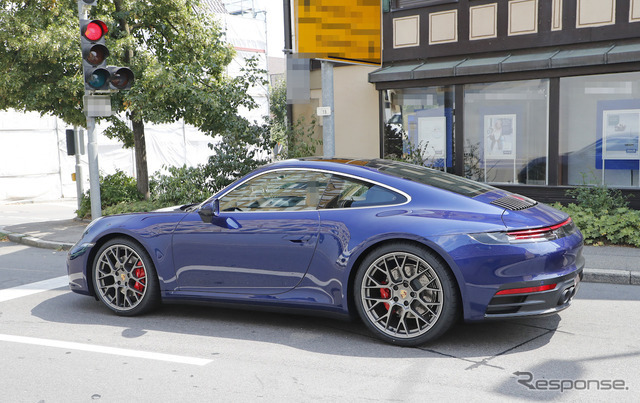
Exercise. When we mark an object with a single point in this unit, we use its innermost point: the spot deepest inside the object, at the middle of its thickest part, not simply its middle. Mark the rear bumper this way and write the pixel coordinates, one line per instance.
(535, 303)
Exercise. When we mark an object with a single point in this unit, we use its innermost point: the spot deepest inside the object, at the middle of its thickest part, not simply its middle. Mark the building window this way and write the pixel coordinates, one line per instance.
(419, 126)
(506, 131)
(418, 3)
(599, 126)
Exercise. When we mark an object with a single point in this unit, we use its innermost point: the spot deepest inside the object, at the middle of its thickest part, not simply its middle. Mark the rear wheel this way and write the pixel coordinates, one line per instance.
(406, 295)
(124, 278)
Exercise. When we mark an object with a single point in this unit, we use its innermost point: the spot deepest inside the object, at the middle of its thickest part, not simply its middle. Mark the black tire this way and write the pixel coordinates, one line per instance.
(406, 295)
(124, 278)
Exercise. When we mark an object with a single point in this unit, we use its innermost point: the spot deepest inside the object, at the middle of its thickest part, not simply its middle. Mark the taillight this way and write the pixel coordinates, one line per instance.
(549, 233)
(526, 290)
(538, 234)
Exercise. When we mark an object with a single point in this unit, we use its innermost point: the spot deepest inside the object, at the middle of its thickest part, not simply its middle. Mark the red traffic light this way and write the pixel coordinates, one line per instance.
(94, 30)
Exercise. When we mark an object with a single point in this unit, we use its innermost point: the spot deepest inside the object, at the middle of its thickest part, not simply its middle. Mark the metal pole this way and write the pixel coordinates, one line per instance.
(328, 135)
(79, 146)
(94, 173)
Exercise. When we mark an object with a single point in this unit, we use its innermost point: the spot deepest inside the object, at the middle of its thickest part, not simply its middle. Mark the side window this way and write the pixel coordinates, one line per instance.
(285, 190)
(342, 192)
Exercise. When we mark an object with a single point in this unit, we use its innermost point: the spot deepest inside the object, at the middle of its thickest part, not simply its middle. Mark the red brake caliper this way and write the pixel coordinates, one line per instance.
(386, 294)
(140, 275)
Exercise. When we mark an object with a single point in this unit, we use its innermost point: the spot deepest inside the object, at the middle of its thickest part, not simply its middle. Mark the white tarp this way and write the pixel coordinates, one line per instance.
(34, 164)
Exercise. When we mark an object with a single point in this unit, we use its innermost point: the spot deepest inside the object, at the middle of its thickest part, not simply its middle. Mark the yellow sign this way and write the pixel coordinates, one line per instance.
(341, 30)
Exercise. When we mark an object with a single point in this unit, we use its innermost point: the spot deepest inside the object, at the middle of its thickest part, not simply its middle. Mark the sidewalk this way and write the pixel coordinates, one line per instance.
(51, 225)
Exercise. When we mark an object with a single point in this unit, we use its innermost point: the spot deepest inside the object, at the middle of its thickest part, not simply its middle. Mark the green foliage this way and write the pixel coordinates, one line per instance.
(603, 215)
(238, 153)
(618, 226)
(181, 185)
(134, 207)
(296, 140)
(40, 59)
(598, 198)
(114, 189)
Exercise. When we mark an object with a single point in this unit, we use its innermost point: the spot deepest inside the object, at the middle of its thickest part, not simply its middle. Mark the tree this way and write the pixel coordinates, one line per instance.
(174, 47)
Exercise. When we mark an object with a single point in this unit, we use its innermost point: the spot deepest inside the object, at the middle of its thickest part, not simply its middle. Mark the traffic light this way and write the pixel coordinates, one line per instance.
(94, 54)
(98, 77)
(120, 78)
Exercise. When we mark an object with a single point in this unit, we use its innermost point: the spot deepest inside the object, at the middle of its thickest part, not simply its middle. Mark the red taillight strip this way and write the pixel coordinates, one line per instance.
(527, 290)
(538, 232)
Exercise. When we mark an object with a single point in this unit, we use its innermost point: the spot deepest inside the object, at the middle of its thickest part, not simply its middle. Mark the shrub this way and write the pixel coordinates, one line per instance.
(114, 189)
(603, 216)
(598, 198)
(620, 226)
(134, 207)
(182, 185)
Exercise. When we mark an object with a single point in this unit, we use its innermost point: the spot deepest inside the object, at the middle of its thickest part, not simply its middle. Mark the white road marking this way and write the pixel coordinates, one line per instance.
(33, 288)
(105, 350)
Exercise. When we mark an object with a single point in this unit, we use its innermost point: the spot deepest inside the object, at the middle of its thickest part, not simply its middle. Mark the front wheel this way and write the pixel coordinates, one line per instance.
(406, 295)
(124, 278)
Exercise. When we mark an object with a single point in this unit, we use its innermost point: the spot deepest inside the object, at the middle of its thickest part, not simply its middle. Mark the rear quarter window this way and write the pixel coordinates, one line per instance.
(343, 192)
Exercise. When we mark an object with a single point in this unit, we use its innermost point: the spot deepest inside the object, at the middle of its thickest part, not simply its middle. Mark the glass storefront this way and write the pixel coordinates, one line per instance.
(599, 126)
(419, 126)
(506, 128)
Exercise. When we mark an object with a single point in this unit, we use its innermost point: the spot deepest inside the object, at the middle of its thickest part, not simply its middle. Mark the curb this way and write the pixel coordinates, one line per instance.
(623, 277)
(36, 242)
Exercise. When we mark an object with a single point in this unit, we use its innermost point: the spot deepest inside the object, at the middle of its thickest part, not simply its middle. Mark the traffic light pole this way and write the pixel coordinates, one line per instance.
(94, 173)
(92, 149)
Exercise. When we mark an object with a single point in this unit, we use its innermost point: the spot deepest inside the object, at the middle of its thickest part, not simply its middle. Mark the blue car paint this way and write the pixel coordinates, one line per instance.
(196, 260)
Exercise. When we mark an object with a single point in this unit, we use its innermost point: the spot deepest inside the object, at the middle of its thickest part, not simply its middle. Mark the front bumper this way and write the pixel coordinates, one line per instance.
(534, 303)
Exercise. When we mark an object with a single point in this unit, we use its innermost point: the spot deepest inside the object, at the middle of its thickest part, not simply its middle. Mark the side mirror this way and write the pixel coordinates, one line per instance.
(210, 213)
(209, 210)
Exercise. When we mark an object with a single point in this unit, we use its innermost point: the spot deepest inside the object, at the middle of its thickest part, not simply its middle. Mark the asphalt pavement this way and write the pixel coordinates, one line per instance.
(52, 225)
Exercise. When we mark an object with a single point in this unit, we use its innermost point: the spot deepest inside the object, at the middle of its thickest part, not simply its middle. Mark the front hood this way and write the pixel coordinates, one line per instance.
(178, 208)
(168, 209)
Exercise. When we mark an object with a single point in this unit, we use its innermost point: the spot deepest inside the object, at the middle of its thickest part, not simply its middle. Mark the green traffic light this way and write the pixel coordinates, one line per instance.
(98, 78)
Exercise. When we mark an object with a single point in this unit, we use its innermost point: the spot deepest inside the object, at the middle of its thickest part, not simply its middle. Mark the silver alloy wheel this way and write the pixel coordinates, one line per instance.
(402, 295)
(121, 277)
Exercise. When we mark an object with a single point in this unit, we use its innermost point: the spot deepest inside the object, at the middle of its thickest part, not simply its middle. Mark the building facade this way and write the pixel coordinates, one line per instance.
(534, 96)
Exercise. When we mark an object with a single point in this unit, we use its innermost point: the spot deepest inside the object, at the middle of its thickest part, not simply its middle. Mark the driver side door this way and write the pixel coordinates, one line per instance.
(261, 241)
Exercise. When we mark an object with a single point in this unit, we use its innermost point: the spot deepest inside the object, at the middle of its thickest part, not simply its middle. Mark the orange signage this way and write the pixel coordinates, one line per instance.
(341, 30)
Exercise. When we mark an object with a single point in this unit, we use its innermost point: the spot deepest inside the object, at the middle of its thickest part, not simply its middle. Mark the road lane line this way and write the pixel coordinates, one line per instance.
(33, 288)
(105, 350)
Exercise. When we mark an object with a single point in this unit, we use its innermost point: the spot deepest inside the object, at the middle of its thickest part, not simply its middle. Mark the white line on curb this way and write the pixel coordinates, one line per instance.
(105, 350)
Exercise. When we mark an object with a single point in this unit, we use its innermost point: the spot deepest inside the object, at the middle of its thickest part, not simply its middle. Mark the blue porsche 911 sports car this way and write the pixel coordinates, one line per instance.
(406, 248)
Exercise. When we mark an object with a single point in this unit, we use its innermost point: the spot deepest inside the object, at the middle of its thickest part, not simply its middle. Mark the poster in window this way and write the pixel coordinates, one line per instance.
(621, 129)
(432, 137)
(500, 137)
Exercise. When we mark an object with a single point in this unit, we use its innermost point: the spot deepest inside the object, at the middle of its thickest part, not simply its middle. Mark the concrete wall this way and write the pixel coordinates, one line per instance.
(357, 127)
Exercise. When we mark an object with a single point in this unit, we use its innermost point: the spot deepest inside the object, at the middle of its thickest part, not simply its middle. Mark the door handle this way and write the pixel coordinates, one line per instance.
(297, 238)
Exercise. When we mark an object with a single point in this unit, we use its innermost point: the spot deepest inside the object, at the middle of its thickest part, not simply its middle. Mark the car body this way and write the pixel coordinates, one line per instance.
(407, 248)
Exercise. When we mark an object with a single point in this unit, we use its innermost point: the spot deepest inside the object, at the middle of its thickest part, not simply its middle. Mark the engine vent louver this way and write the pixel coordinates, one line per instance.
(514, 203)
